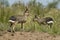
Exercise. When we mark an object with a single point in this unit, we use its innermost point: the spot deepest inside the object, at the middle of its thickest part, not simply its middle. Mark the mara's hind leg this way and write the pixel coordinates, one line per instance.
(13, 28)
(10, 27)
(50, 25)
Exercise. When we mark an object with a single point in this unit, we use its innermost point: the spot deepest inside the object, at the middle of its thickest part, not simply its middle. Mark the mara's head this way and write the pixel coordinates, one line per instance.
(35, 18)
(26, 12)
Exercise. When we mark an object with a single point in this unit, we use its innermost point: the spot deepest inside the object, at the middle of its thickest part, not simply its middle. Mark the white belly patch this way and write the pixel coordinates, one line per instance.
(11, 21)
(50, 22)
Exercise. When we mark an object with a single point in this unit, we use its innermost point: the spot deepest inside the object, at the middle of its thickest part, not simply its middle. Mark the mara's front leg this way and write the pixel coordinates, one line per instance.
(22, 28)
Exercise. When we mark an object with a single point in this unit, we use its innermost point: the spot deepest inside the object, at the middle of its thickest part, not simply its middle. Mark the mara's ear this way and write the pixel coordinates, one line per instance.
(26, 10)
(35, 16)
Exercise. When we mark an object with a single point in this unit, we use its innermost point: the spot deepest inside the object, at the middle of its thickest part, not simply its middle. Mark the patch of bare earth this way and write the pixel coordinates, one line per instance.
(28, 36)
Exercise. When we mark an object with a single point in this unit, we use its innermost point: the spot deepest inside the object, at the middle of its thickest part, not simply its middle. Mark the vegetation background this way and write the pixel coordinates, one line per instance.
(34, 8)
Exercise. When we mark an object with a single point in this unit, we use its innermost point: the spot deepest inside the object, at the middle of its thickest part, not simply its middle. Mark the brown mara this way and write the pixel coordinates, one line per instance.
(15, 19)
(45, 21)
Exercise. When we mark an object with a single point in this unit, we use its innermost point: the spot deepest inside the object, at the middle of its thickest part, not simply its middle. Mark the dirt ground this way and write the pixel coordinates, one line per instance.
(28, 36)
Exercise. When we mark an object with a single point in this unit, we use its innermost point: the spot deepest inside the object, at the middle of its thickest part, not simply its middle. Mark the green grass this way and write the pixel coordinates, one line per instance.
(29, 25)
